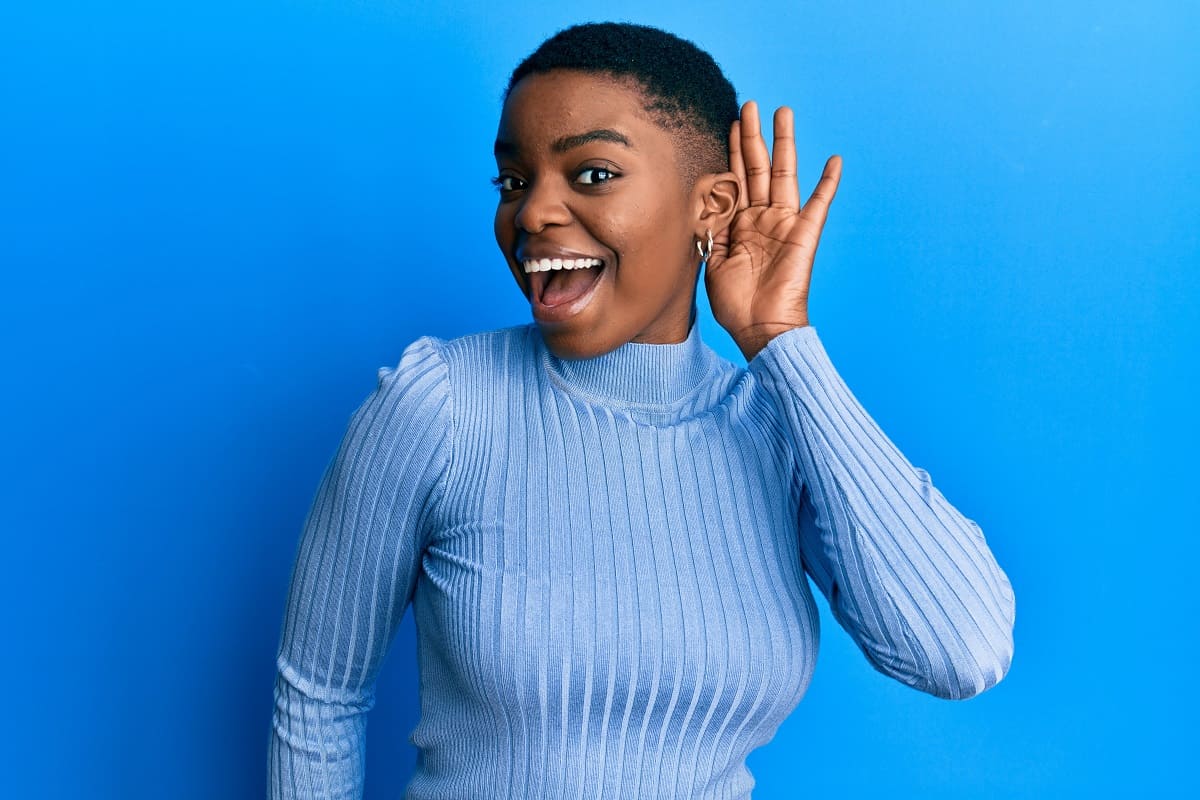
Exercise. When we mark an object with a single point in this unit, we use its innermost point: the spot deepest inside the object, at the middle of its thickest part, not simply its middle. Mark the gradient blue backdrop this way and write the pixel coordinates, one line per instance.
(218, 219)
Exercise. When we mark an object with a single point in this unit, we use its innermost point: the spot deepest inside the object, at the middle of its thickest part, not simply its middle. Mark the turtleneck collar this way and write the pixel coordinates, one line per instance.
(638, 374)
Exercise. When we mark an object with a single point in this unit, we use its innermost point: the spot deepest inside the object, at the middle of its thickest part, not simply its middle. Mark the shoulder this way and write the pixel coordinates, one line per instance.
(435, 353)
(419, 373)
(476, 361)
(432, 369)
(402, 431)
(413, 390)
(495, 345)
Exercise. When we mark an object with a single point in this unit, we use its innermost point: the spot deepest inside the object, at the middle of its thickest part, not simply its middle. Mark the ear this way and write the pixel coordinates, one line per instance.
(716, 196)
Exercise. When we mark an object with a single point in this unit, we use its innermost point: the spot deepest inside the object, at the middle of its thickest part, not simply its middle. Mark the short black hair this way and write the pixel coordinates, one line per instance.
(686, 91)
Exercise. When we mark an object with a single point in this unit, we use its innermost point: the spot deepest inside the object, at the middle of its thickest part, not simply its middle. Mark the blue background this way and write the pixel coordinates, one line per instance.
(217, 221)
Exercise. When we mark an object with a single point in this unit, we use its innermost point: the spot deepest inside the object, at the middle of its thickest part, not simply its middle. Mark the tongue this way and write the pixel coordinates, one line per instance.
(564, 285)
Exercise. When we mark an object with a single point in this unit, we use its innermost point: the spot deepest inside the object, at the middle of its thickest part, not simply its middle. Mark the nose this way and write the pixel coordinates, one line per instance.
(542, 205)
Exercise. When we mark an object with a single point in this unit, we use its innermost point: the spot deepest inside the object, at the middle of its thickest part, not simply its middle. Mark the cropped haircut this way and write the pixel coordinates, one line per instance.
(687, 94)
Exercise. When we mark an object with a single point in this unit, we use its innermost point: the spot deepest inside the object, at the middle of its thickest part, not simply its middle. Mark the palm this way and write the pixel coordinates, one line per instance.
(757, 277)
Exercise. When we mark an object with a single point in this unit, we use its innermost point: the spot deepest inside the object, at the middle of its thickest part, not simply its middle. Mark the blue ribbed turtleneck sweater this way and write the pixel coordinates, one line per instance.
(608, 563)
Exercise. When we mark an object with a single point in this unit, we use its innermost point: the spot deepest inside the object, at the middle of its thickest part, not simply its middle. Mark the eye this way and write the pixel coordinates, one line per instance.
(504, 183)
(599, 175)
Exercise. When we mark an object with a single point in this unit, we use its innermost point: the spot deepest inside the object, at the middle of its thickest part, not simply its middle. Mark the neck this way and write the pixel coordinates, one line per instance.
(639, 373)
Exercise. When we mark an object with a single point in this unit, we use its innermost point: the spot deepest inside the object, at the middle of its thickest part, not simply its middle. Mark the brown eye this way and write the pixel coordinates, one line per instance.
(504, 183)
(599, 175)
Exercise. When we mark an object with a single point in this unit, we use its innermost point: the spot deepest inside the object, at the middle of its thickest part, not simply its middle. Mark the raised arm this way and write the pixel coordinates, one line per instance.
(909, 577)
(354, 576)
(906, 574)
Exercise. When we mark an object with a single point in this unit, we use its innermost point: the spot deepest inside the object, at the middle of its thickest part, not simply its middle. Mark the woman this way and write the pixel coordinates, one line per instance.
(603, 526)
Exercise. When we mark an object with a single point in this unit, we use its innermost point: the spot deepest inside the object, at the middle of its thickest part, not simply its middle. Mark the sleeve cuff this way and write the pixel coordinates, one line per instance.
(797, 359)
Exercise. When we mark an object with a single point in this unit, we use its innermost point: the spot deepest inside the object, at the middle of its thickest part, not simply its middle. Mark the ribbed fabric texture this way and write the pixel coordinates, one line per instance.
(607, 563)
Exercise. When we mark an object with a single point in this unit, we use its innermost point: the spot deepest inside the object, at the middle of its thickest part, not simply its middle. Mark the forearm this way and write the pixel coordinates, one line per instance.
(317, 746)
(907, 574)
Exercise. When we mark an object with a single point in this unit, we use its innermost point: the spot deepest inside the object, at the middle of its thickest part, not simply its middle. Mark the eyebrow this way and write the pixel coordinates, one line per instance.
(562, 145)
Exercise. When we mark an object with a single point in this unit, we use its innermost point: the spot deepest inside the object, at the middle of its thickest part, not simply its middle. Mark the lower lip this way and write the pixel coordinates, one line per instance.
(544, 313)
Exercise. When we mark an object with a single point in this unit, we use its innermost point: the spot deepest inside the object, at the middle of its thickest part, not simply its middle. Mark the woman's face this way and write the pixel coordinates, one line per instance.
(585, 173)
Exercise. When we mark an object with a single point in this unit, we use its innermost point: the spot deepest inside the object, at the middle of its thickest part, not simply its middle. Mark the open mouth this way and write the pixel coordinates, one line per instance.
(555, 287)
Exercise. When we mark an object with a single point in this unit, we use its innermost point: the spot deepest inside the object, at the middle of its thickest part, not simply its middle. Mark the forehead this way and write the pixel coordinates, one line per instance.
(544, 108)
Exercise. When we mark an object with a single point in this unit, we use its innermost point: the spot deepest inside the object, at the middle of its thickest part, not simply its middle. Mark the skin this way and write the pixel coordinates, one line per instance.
(630, 206)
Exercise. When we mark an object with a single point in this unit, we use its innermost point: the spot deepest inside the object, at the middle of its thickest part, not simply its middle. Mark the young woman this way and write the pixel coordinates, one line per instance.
(606, 529)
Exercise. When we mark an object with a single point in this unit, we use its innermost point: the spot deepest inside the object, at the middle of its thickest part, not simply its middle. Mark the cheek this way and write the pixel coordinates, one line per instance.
(502, 226)
(643, 232)
(505, 238)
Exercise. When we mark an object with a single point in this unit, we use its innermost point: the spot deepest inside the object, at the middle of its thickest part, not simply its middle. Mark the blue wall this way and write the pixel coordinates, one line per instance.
(217, 221)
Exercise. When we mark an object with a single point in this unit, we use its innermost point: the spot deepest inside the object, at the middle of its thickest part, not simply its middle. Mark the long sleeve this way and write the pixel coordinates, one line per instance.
(354, 576)
(906, 574)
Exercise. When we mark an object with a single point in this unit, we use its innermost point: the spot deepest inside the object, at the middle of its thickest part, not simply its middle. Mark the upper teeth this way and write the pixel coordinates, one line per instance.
(534, 265)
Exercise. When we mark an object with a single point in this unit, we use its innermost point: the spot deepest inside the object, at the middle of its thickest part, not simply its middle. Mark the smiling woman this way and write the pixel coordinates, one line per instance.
(584, 168)
(605, 529)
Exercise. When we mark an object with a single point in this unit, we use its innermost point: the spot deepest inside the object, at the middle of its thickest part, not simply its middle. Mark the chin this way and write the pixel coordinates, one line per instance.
(574, 345)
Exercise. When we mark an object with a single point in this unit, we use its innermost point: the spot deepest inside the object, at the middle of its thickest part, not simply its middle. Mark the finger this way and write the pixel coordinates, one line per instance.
(720, 249)
(817, 207)
(785, 192)
(736, 165)
(755, 156)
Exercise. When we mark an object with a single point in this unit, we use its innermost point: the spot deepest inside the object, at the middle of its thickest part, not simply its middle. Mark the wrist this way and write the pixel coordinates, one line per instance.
(752, 342)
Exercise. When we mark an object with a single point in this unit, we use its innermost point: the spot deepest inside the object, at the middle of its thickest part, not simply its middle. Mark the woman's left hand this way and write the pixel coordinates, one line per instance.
(758, 274)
